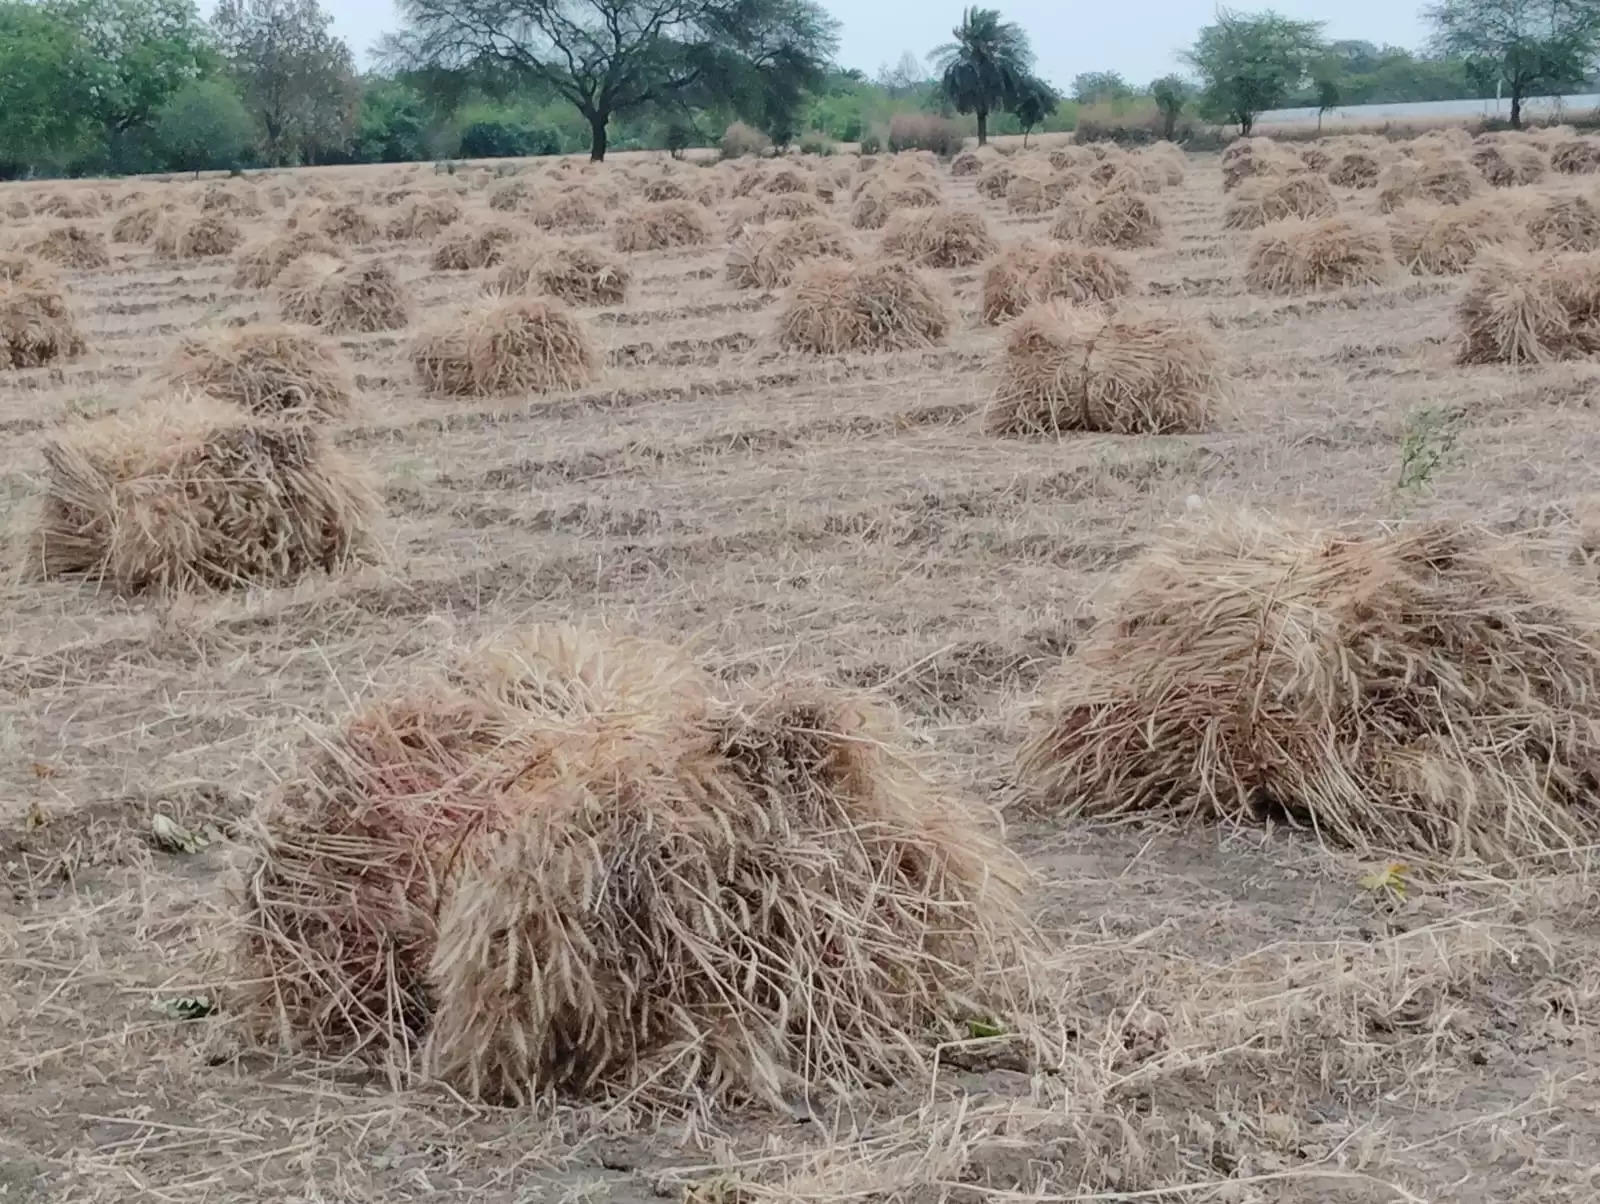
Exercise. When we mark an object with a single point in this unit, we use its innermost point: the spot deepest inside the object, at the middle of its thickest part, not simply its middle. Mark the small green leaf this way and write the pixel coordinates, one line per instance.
(186, 1007)
(172, 837)
(978, 1029)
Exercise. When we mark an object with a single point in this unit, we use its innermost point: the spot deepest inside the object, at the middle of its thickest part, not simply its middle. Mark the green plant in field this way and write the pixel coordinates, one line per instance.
(1429, 445)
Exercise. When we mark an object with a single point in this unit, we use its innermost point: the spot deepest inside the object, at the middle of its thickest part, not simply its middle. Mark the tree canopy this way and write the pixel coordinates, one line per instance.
(1528, 45)
(1095, 87)
(1251, 62)
(204, 126)
(984, 68)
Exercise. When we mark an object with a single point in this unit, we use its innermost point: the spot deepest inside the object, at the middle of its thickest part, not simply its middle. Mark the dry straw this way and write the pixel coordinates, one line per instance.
(138, 225)
(766, 258)
(68, 246)
(1576, 156)
(348, 223)
(1031, 195)
(77, 206)
(509, 346)
(1509, 164)
(883, 305)
(939, 238)
(37, 326)
(184, 235)
(177, 495)
(1423, 690)
(788, 206)
(1355, 168)
(574, 866)
(424, 218)
(664, 225)
(261, 264)
(235, 202)
(1443, 179)
(264, 369)
(1270, 199)
(995, 180)
(571, 210)
(1297, 256)
(316, 290)
(480, 247)
(1446, 239)
(1067, 369)
(1563, 223)
(1032, 272)
(1117, 219)
(573, 273)
(1530, 310)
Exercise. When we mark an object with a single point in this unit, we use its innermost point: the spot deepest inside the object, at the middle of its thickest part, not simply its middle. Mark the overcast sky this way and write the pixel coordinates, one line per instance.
(1139, 38)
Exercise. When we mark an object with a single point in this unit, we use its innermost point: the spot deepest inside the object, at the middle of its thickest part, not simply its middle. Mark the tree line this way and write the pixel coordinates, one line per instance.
(113, 86)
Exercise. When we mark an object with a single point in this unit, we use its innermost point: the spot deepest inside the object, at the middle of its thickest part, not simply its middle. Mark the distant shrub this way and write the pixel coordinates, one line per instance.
(740, 139)
(925, 131)
(815, 143)
(872, 141)
(497, 138)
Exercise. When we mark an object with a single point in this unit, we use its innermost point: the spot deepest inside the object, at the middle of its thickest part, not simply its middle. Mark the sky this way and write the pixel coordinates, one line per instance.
(1139, 38)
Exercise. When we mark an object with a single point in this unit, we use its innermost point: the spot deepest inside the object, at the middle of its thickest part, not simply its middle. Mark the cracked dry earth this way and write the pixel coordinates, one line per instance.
(1236, 1020)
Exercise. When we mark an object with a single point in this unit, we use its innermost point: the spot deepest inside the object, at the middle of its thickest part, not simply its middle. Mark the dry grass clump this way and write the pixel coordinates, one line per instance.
(260, 265)
(967, 163)
(424, 218)
(73, 206)
(995, 180)
(1423, 690)
(1519, 309)
(1445, 180)
(1031, 194)
(663, 225)
(1446, 239)
(1575, 156)
(787, 207)
(1563, 223)
(1355, 169)
(68, 246)
(196, 236)
(939, 238)
(17, 209)
(236, 203)
(1297, 255)
(1069, 369)
(343, 298)
(883, 305)
(349, 224)
(572, 209)
(787, 179)
(1267, 199)
(576, 865)
(138, 225)
(480, 247)
(1169, 161)
(176, 495)
(882, 198)
(1508, 164)
(507, 346)
(1033, 272)
(1116, 219)
(767, 258)
(1247, 157)
(264, 369)
(510, 195)
(576, 274)
(37, 326)
(665, 189)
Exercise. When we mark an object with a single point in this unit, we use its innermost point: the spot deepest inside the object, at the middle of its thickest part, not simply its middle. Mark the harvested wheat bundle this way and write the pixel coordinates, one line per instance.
(788, 207)
(424, 218)
(1522, 310)
(575, 274)
(1120, 219)
(939, 238)
(196, 236)
(572, 209)
(870, 212)
(1563, 223)
(177, 495)
(349, 224)
(37, 326)
(478, 247)
(16, 268)
(74, 206)
(1576, 156)
(666, 189)
(1071, 369)
(767, 258)
(1297, 255)
(1114, 166)
(1508, 164)
(787, 179)
(1036, 272)
(1169, 158)
(138, 225)
(884, 305)
(1071, 219)
(428, 879)
(1446, 239)
(1316, 158)
(264, 369)
(1249, 157)
(316, 290)
(508, 346)
(261, 264)
(967, 163)
(1132, 177)
(17, 210)
(1029, 194)
(1445, 180)
(69, 246)
(1355, 169)
(995, 180)
(662, 226)
(1265, 199)
(236, 203)
(1423, 690)
(512, 195)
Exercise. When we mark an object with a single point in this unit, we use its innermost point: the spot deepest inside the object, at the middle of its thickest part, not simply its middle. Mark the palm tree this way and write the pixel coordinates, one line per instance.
(983, 69)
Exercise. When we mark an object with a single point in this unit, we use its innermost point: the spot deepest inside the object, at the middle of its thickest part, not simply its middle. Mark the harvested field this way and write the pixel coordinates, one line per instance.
(1271, 658)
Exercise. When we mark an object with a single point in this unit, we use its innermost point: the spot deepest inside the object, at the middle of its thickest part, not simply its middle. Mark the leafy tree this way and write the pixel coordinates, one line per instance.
(1171, 93)
(1327, 96)
(983, 69)
(1095, 87)
(44, 73)
(612, 57)
(905, 78)
(1249, 63)
(296, 78)
(1530, 45)
(391, 124)
(1034, 101)
(204, 126)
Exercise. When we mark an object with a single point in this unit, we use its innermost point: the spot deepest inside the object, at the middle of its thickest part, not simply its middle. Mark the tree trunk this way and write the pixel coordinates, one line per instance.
(1025, 138)
(983, 127)
(597, 136)
(1516, 109)
(1319, 123)
(1169, 125)
(1247, 122)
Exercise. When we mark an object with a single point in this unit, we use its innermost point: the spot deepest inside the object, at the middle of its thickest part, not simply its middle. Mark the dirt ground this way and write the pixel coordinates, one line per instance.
(1238, 1019)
